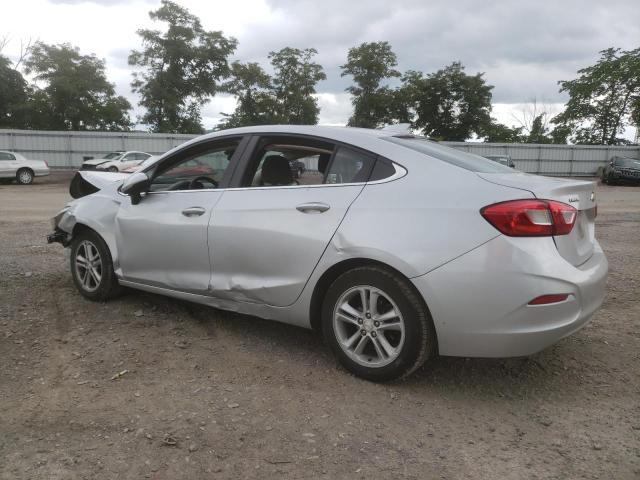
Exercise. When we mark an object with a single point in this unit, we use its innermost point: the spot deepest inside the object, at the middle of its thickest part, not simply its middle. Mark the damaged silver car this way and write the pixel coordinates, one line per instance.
(393, 246)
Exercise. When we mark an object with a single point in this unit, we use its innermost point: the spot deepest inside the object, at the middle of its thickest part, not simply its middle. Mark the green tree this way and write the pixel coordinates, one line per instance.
(75, 93)
(252, 87)
(286, 98)
(14, 96)
(449, 104)
(294, 84)
(500, 133)
(180, 69)
(601, 100)
(373, 103)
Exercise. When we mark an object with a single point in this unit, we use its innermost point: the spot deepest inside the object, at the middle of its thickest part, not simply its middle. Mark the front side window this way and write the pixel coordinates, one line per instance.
(197, 171)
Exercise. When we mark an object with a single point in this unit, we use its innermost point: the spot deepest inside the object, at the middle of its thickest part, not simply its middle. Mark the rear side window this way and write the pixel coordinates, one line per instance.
(468, 161)
(349, 166)
(7, 156)
(383, 169)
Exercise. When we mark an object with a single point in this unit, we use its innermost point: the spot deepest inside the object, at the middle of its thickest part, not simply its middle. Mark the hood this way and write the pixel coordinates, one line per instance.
(85, 183)
(95, 161)
(107, 164)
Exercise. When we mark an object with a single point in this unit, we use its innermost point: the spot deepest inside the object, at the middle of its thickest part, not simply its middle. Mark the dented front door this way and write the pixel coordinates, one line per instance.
(162, 241)
(265, 242)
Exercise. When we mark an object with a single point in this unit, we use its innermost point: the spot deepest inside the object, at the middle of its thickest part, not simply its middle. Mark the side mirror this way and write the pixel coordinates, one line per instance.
(134, 185)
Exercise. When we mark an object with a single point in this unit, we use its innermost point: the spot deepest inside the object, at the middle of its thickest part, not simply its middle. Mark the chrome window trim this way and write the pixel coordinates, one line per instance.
(400, 172)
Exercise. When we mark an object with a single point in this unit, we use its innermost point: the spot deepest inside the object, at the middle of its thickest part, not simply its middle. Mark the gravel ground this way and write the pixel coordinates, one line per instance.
(149, 387)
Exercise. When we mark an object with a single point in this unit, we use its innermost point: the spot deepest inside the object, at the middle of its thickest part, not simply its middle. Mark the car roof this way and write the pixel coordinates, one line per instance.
(345, 134)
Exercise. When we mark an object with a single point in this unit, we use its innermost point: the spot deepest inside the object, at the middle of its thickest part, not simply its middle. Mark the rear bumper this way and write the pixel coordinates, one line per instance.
(479, 302)
(41, 172)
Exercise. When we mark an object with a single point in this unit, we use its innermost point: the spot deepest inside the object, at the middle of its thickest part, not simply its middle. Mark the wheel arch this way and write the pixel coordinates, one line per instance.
(333, 272)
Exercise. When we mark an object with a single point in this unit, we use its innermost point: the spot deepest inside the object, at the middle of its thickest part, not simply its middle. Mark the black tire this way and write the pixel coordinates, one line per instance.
(113, 169)
(420, 341)
(108, 287)
(24, 176)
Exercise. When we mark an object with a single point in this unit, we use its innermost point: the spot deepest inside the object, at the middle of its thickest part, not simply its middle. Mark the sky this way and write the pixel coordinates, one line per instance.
(523, 47)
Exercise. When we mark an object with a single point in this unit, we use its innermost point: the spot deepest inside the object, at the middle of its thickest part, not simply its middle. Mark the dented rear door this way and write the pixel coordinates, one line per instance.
(265, 242)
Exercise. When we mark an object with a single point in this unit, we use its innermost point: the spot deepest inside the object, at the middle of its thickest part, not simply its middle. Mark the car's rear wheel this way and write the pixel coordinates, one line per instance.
(377, 325)
(24, 176)
(113, 169)
(92, 267)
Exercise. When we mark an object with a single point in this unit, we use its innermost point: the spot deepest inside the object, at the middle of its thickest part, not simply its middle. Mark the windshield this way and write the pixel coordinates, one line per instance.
(627, 163)
(112, 155)
(468, 161)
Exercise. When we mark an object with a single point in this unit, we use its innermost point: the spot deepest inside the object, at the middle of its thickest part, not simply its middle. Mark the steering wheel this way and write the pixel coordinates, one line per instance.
(192, 183)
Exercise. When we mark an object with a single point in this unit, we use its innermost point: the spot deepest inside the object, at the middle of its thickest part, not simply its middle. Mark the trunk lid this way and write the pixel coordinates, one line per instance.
(576, 247)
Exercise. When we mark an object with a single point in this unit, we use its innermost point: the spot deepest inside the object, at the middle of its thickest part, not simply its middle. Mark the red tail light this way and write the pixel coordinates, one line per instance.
(531, 218)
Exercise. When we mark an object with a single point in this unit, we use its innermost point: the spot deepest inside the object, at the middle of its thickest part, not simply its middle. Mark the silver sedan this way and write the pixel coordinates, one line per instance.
(394, 247)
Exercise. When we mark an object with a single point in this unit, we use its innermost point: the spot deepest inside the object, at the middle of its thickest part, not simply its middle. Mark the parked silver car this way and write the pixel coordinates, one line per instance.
(14, 166)
(396, 248)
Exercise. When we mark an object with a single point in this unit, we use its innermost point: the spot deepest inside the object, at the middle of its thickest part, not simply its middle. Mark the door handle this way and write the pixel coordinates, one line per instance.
(313, 207)
(193, 211)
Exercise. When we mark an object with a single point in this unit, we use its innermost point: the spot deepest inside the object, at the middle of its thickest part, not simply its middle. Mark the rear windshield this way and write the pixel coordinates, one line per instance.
(468, 161)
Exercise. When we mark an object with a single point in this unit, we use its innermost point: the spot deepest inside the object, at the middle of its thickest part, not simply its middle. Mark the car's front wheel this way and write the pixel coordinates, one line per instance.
(92, 267)
(377, 325)
(113, 169)
(24, 176)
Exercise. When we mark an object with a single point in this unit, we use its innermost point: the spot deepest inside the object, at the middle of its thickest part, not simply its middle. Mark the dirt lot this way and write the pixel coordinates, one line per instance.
(209, 394)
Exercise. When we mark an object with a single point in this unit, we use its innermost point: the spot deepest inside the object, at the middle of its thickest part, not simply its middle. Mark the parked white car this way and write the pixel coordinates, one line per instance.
(14, 166)
(115, 161)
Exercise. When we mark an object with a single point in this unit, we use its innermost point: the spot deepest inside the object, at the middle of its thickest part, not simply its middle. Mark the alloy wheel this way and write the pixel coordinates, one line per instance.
(25, 177)
(88, 266)
(369, 326)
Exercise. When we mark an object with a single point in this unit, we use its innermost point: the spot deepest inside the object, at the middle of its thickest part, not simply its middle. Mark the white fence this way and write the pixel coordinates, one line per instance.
(67, 149)
(553, 160)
